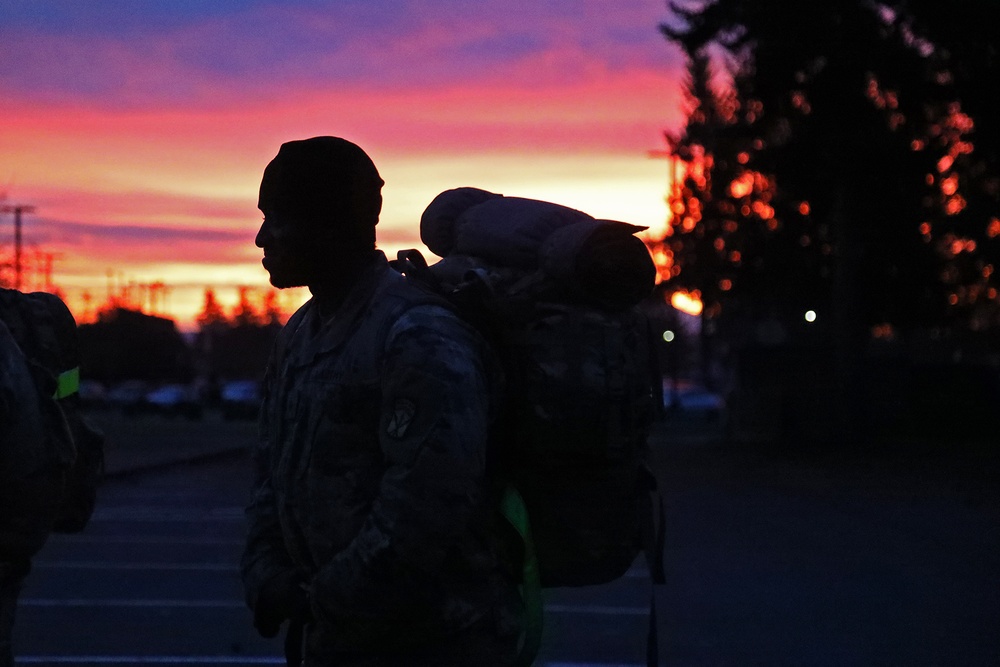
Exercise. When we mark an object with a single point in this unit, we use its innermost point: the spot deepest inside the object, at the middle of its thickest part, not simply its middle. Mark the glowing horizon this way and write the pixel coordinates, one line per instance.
(141, 142)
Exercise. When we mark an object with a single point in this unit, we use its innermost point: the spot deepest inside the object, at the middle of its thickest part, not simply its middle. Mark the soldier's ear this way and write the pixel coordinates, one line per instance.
(327, 236)
(345, 240)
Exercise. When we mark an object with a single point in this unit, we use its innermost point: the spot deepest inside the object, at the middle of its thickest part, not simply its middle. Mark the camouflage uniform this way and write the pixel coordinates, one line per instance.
(372, 482)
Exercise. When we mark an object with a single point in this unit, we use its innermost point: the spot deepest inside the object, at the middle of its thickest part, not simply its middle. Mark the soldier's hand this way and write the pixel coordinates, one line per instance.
(284, 597)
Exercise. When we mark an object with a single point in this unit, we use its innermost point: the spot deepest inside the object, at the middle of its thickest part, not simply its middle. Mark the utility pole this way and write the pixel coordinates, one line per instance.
(17, 210)
(46, 260)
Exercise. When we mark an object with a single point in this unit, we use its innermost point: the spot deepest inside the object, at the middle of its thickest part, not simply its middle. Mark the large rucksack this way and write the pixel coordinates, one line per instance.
(555, 291)
(21, 424)
(45, 331)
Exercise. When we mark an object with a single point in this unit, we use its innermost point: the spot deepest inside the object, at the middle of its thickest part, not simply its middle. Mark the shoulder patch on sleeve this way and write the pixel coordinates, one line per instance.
(403, 412)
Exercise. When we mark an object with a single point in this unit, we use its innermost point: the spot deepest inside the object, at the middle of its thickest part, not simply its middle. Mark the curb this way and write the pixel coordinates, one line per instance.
(141, 467)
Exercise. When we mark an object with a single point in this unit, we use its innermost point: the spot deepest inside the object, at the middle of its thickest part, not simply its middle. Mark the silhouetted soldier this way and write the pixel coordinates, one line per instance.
(24, 520)
(370, 522)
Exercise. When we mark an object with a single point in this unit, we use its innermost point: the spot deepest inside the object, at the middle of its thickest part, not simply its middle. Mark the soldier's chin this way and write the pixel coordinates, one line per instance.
(284, 281)
(279, 275)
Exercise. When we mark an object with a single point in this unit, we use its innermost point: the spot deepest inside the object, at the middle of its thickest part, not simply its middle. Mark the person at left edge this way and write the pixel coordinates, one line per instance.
(47, 480)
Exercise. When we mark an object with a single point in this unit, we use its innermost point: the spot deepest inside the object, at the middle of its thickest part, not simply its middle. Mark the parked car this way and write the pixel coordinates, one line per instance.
(93, 394)
(174, 400)
(240, 399)
(692, 401)
(129, 397)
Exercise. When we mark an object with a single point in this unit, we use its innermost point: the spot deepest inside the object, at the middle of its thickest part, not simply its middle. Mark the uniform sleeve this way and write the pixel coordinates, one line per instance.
(264, 555)
(433, 435)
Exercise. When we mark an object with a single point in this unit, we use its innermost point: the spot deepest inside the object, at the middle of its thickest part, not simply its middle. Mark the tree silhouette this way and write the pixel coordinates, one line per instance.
(860, 125)
(961, 41)
(237, 346)
(809, 158)
(848, 167)
(130, 345)
(212, 313)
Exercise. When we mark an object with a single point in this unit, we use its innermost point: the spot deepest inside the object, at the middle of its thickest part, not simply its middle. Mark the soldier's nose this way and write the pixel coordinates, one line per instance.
(262, 236)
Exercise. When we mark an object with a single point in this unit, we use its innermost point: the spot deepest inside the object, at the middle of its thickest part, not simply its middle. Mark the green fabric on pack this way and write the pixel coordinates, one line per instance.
(68, 383)
(513, 509)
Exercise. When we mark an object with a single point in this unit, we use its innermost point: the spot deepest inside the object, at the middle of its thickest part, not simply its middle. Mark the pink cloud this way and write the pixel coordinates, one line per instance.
(623, 112)
(110, 208)
(144, 142)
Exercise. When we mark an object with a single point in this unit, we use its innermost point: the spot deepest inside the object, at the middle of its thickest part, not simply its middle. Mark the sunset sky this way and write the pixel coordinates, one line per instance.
(139, 128)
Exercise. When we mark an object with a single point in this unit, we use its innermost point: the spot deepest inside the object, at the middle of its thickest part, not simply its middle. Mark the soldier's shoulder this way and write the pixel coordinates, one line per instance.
(434, 327)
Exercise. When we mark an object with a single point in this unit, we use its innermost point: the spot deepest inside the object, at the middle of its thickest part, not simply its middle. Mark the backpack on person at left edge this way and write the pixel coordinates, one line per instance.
(45, 330)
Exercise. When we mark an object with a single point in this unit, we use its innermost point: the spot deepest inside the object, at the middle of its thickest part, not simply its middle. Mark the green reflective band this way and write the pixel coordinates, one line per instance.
(513, 509)
(68, 384)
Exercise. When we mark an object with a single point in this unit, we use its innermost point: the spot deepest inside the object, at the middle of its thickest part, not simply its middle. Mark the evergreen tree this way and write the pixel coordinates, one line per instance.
(131, 345)
(862, 193)
(212, 313)
(852, 171)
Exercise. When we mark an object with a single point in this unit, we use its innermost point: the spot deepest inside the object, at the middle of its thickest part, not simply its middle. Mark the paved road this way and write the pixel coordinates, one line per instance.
(153, 580)
(153, 577)
(848, 562)
(769, 563)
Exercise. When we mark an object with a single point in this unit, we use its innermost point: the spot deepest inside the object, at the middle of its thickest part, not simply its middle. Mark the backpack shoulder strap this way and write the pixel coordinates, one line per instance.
(419, 287)
(513, 509)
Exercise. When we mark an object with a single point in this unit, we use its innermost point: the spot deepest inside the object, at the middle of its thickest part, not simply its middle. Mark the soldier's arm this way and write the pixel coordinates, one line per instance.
(433, 434)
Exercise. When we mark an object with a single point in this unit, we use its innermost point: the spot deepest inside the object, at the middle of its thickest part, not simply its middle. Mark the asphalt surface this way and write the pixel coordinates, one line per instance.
(149, 442)
(771, 560)
(154, 580)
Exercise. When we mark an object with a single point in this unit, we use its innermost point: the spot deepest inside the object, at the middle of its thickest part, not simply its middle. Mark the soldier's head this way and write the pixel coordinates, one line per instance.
(321, 198)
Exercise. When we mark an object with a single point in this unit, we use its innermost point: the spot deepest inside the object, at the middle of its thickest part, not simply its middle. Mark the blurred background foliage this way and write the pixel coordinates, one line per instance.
(835, 212)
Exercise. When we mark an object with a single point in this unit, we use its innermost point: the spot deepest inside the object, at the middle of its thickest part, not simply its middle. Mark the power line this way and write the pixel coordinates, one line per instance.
(17, 210)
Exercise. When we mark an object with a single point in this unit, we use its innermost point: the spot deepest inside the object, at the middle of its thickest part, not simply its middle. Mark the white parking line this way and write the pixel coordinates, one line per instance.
(149, 660)
(91, 602)
(145, 539)
(217, 660)
(160, 513)
(112, 565)
(597, 610)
